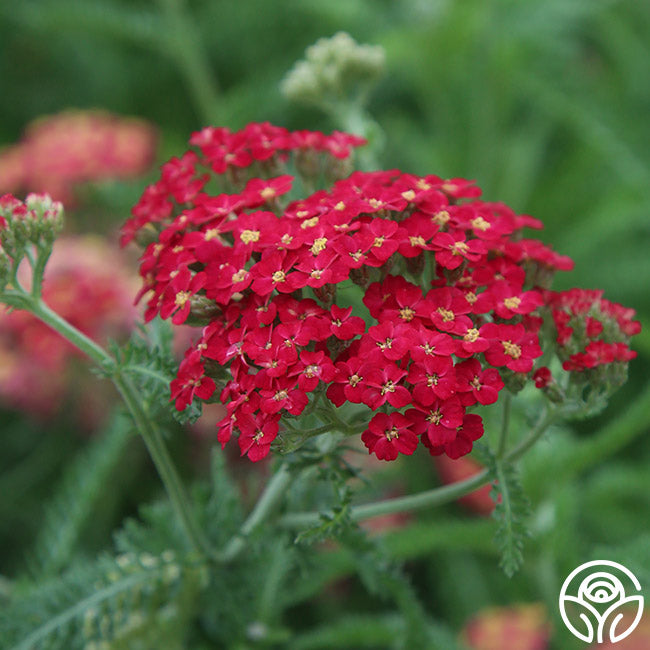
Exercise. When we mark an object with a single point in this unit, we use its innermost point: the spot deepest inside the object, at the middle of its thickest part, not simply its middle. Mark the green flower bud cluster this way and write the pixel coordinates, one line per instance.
(25, 226)
(332, 68)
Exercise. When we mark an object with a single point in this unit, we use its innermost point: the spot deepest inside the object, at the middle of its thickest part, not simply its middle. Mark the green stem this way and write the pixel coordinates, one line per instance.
(38, 270)
(141, 370)
(435, 497)
(164, 465)
(190, 57)
(547, 418)
(264, 507)
(615, 435)
(69, 332)
(418, 501)
(505, 425)
(150, 434)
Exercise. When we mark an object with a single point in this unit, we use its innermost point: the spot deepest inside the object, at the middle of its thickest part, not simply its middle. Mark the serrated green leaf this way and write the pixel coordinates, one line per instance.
(73, 502)
(511, 511)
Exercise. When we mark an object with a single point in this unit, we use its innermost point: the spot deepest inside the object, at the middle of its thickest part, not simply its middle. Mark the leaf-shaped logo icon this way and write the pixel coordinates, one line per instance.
(598, 599)
(615, 614)
(586, 612)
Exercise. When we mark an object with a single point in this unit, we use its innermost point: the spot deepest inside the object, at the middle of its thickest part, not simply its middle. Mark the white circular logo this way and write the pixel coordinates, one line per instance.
(593, 601)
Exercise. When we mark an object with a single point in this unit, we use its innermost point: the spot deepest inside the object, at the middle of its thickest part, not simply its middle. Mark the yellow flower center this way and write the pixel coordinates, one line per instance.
(511, 349)
(248, 236)
(319, 245)
(441, 218)
(480, 224)
(406, 314)
(512, 303)
(239, 276)
(309, 223)
(278, 276)
(434, 417)
(446, 314)
(354, 380)
(392, 433)
(471, 335)
(268, 193)
(417, 241)
(181, 298)
(409, 195)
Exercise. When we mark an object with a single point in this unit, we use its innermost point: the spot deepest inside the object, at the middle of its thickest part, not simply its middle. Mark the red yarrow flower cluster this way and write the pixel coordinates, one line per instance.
(591, 331)
(448, 281)
(60, 151)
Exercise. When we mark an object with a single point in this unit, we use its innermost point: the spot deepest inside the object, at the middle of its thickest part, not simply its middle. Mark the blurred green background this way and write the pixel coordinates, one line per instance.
(545, 104)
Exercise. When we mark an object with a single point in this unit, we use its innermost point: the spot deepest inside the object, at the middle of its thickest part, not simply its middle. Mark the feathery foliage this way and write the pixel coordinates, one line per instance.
(512, 509)
(80, 489)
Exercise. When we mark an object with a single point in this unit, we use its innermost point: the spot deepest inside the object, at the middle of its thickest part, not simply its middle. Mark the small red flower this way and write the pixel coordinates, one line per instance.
(256, 433)
(512, 347)
(191, 381)
(476, 384)
(387, 436)
(176, 299)
(383, 385)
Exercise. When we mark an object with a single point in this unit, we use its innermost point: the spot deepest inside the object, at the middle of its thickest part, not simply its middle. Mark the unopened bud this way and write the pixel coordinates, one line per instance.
(47, 220)
(332, 68)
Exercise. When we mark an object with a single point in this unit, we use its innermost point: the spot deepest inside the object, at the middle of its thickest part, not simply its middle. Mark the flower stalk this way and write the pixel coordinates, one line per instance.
(150, 434)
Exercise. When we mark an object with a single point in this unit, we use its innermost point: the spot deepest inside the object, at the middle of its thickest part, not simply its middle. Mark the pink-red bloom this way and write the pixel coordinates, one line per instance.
(400, 294)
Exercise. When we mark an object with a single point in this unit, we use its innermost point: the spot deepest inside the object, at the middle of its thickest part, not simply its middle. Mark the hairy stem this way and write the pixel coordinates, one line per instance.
(505, 425)
(435, 497)
(265, 506)
(616, 434)
(547, 418)
(150, 434)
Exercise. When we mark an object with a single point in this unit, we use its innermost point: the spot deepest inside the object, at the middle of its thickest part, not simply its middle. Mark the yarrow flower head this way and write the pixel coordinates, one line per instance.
(61, 151)
(403, 300)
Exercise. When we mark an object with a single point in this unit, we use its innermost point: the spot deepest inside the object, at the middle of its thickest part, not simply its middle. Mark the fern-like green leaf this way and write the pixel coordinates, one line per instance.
(81, 488)
(128, 601)
(512, 509)
(150, 362)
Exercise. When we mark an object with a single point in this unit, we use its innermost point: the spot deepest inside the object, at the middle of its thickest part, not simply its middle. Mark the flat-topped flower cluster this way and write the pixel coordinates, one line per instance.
(453, 291)
(60, 152)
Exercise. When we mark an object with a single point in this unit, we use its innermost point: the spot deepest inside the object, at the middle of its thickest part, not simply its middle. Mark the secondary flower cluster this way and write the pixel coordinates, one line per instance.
(591, 331)
(274, 282)
(60, 151)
